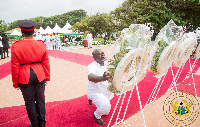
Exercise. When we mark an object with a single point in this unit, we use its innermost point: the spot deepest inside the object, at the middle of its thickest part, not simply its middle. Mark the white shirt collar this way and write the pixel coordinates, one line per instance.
(99, 64)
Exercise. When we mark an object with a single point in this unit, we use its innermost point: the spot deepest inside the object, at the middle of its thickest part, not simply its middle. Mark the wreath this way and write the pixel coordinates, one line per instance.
(197, 54)
(127, 58)
(185, 50)
(167, 48)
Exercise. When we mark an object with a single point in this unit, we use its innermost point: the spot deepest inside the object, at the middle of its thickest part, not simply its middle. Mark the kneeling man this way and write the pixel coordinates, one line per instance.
(97, 86)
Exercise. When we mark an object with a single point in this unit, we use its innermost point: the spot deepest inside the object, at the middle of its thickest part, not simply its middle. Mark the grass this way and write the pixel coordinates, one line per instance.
(100, 39)
(95, 39)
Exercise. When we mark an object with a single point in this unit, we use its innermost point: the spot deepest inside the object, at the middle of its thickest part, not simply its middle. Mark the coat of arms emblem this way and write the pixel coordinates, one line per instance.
(181, 108)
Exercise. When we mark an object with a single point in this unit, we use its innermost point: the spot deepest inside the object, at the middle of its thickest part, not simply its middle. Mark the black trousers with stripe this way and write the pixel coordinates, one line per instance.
(33, 94)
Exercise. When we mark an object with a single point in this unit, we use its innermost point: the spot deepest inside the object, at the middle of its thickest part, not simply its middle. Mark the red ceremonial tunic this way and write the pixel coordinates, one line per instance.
(25, 52)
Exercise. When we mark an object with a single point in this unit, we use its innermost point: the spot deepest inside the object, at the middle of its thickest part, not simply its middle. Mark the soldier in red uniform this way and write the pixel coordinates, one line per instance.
(30, 72)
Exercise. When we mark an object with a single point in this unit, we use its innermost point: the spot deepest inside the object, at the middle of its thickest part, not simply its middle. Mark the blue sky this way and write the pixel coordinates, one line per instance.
(12, 10)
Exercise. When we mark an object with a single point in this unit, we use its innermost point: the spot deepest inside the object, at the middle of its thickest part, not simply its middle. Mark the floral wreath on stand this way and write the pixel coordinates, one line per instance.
(197, 52)
(167, 48)
(129, 58)
(186, 47)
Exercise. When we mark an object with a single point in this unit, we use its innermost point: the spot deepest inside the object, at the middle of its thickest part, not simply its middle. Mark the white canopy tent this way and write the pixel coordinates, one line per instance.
(65, 29)
(15, 33)
(48, 30)
(41, 30)
(68, 25)
(56, 29)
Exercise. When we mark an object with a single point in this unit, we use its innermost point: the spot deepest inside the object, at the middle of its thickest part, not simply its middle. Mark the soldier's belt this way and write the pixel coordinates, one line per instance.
(30, 63)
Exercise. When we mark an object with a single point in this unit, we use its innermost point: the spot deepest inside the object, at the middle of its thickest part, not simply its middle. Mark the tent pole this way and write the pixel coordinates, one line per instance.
(64, 39)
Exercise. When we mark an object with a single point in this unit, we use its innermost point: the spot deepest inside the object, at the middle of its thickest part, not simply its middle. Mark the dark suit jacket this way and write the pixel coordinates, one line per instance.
(5, 42)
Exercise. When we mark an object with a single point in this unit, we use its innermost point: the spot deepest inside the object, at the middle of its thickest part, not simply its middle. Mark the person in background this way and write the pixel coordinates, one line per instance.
(89, 38)
(70, 38)
(58, 43)
(44, 39)
(39, 36)
(105, 39)
(5, 40)
(48, 41)
(53, 41)
(30, 70)
(97, 86)
(34, 37)
(1, 48)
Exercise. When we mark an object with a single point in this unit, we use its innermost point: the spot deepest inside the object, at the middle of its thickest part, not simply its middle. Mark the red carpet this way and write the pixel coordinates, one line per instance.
(72, 57)
(5, 70)
(187, 68)
(78, 113)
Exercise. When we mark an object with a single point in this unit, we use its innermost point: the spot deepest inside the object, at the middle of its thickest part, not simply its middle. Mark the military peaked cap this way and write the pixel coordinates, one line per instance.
(27, 25)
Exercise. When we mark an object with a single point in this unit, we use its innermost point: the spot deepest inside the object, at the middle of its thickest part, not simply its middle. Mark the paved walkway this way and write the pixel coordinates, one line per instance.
(69, 81)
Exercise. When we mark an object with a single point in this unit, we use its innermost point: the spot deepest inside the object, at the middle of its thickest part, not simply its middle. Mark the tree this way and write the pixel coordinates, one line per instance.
(96, 24)
(3, 27)
(38, 20)
(190, 11)
(81, 26)
(72, 17)
(143, 11)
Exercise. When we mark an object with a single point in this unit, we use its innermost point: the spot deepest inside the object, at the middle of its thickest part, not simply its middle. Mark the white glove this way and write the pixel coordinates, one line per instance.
(46, 83)
(17, 88)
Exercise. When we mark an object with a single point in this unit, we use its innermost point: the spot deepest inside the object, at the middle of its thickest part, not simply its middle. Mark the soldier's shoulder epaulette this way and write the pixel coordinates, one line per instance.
(15, 42)
(40, 41)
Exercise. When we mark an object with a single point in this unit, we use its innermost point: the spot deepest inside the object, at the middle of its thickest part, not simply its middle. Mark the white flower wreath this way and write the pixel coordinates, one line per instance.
(166, 58)
(197, 54)
(185, 49)
(125, 57)
(128, 71)
(167, 48)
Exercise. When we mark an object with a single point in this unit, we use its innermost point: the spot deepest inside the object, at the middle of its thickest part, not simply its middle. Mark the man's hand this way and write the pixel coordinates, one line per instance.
(95, 78)
(105, 76)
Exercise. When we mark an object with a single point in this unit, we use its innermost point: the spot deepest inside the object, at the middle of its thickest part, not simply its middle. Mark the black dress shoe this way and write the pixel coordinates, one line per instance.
(90, 102)
(30, 125)
(99, 121)
(42, 125)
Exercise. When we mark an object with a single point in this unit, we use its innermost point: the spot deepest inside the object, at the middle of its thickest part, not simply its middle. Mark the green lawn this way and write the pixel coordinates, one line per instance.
(100, 39)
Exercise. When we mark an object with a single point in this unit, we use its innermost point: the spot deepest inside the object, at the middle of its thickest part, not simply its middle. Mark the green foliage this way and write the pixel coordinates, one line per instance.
(72, 17)
(154, 12)
(114, 62)
(81, 26)
(101, 40)
(3, 28)
(188, 10)
(13, 25)
(85, 34)
(161, 45)
(97, 24)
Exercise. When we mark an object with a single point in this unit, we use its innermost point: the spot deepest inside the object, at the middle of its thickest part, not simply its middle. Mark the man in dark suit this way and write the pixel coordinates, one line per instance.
(5, 40)
(1, 48)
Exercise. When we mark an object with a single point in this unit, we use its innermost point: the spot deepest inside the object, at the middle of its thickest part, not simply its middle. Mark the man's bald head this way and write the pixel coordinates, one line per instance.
(99, 56)
(96, 51)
